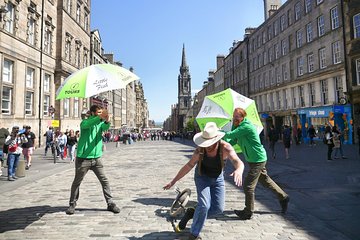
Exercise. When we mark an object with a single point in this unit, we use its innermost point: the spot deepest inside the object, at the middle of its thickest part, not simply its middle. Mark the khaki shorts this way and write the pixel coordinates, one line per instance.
(28, 151)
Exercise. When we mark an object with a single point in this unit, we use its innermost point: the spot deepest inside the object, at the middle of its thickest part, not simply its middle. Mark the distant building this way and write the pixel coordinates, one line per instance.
(41, 44)
(184, 93)
(351, 15)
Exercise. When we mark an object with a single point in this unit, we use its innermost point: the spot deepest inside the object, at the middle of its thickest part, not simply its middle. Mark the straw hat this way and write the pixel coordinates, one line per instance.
(208, 136)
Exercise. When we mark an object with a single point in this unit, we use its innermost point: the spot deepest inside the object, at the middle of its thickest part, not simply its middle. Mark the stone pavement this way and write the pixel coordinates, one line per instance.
(324, 198)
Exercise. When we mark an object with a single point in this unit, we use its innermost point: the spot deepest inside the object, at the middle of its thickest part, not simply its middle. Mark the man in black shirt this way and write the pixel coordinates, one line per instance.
(29, 146)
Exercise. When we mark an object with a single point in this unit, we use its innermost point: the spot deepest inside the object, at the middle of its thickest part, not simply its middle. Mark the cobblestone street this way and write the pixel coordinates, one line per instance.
(324, 198)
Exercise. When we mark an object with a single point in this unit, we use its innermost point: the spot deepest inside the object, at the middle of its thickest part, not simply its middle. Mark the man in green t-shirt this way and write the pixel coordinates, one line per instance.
(245, 135)
(88, 157)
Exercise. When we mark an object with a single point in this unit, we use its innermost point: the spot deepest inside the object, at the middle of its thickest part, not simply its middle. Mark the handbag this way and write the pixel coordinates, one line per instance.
(13, 148)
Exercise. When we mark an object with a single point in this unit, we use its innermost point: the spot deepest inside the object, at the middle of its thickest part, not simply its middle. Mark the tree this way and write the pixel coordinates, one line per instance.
(190, 125)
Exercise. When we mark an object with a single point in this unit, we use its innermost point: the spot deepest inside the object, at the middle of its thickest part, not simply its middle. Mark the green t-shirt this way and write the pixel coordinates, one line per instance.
(246, 136)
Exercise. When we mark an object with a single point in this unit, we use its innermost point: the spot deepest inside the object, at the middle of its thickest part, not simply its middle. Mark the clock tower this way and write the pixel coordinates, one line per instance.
(184, 92)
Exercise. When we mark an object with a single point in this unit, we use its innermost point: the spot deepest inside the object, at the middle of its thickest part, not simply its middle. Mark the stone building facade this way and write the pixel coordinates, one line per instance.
(72, 53)
(131, 104)
(296, 67)
(34, 65)
(351, 8)
(142, 113)
(28, 63)
(300, 65)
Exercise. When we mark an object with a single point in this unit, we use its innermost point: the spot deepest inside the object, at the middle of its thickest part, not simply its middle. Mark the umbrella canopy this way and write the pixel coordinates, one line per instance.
(219, 108)
(95, 79)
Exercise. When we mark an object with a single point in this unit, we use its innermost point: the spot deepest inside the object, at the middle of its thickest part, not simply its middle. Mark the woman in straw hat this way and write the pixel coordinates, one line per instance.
(209, 159)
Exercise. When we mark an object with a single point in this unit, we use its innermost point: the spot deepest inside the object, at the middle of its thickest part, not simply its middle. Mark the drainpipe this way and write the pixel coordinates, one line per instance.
(41, 71)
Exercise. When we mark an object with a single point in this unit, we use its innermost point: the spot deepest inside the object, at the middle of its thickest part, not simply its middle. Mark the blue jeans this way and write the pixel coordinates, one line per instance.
(210, 197)
(12, 161)
(71, 152)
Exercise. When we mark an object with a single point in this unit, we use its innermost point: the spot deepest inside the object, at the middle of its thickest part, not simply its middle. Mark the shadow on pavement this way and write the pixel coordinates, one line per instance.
(20, 218)
(163, 202)
(163, 235)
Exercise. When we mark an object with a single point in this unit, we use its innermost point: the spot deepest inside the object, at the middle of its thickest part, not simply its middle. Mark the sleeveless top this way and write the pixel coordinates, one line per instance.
(211, 166)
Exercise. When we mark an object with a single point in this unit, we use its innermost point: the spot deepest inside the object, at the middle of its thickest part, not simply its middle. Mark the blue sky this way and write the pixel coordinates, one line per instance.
(149, 34)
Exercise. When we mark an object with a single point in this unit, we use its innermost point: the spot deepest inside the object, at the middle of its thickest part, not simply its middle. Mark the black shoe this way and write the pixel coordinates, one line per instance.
(243, 215)
(113, 208)
(71, 210)
(284, 204)
(189, 214)
(192, 237)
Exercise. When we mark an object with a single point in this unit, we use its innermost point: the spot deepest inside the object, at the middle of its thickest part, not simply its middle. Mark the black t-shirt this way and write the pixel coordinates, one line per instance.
(71, 140)
(30, 137)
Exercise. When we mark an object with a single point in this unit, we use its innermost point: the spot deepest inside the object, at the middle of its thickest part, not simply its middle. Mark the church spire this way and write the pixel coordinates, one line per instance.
(183, 59)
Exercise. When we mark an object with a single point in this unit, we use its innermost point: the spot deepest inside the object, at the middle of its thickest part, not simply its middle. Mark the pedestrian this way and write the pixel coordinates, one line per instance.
(61, 144)
(337, 142)
(88, 157)
(4, 133)
(287, 140)
(28, 146)
(14, 141)
(311, 133)
(49, 139)
(71, 144)
(245, 135)
(209, 159)
(299, 135)
(273, 138)
(329, 141)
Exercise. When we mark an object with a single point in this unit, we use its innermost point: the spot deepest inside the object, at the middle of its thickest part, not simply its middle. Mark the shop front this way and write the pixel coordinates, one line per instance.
(320, 117)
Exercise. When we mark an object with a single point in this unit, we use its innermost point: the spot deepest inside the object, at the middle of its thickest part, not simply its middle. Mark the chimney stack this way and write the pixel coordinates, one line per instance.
(270, 7)
(219, 61)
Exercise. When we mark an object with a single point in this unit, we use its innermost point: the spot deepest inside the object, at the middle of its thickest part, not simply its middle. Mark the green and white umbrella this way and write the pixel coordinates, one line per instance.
(95, 79)
(219, 108)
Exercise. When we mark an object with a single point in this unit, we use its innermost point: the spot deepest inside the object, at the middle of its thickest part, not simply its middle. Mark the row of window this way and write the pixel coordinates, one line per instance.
(81, 57)
(283, 48)
(8, 85)
(274, 76)
(279, 100)
(281, 24)
(336, 59)
(33, 26)
(78, 13)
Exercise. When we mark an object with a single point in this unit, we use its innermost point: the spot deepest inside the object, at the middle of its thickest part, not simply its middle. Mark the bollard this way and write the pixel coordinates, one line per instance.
(20, 170)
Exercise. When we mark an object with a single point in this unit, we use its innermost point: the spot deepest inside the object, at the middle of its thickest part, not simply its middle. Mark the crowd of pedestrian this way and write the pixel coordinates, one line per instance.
(14, 144)
(63, 144)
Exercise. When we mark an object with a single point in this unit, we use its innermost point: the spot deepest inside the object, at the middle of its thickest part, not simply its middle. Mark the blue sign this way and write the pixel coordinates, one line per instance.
(316, 111)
